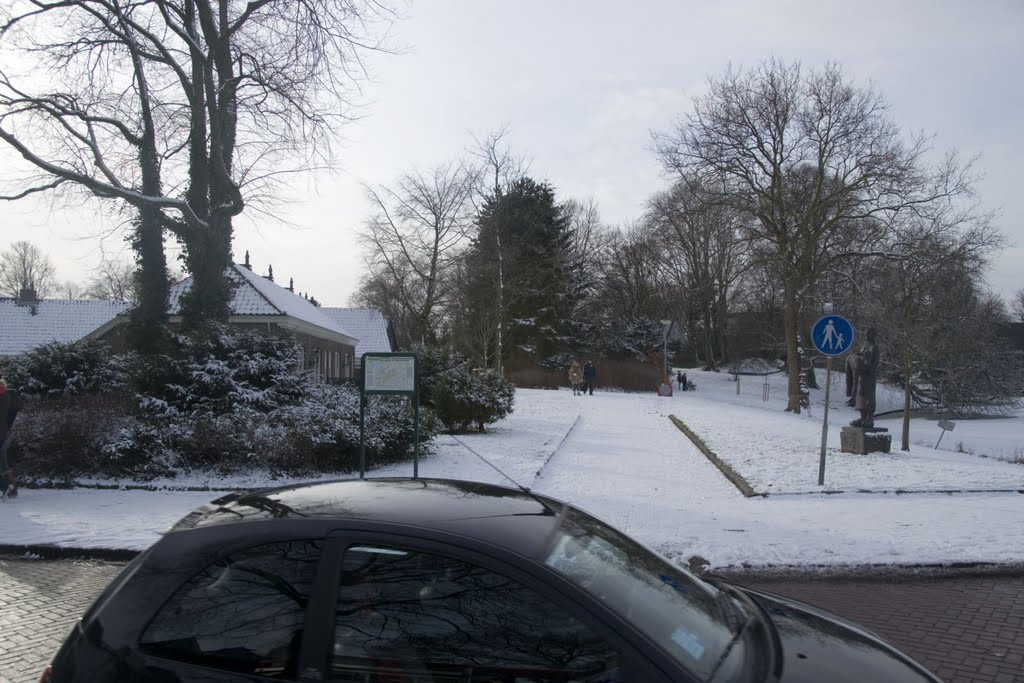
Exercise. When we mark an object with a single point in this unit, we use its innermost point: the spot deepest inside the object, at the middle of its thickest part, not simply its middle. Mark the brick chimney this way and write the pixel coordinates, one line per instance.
(28, 297)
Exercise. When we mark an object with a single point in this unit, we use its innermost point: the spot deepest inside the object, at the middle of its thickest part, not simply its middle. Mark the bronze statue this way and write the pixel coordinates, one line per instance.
(852, 361)
(865, 370)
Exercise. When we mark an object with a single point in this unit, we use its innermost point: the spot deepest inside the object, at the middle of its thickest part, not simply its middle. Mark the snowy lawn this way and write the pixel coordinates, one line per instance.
(778, 453)
(618, 456)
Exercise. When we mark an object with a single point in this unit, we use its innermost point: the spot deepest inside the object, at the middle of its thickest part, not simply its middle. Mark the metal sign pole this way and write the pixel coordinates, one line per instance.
(390, 373)
(416, 438)
(831, 335)
(945, 426)
(824, 423)
(362, 435)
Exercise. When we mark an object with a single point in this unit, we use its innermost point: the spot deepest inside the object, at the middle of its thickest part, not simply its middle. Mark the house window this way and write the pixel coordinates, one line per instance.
(337, 364)
(301, 365)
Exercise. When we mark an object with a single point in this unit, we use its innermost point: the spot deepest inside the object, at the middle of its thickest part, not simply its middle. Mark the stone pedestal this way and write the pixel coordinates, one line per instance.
(865, 440)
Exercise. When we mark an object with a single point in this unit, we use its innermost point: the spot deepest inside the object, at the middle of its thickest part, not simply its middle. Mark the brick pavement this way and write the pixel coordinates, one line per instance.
(39, 602)
(967, 628)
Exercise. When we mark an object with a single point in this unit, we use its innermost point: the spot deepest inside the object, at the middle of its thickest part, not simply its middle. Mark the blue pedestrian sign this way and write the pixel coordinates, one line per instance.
(832, 335)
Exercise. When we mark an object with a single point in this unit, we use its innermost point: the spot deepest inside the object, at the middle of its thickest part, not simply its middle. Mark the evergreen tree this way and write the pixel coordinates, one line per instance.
(525, 232)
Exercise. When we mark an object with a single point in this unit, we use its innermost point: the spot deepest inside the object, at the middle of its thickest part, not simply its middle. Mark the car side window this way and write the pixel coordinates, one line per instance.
(243, 613)
(404, 616)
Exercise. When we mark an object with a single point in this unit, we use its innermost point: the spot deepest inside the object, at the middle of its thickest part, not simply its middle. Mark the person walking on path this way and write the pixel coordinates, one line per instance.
(589, 377)
(575, 378)
(10, 403)
(681, 378)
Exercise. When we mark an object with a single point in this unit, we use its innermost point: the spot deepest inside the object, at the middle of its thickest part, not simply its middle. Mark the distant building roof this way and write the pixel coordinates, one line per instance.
(255, 295)
(25, 326)
(366, 324)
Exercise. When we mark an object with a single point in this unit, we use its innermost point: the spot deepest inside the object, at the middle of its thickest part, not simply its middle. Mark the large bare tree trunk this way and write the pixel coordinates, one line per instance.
(905, 445)
(792, 349)
(709, 345)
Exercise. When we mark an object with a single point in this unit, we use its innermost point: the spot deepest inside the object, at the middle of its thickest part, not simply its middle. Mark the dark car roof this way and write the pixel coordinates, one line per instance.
(514, 518)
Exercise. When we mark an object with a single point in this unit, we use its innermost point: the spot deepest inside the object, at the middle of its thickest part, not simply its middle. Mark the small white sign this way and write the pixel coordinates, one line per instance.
(946, 425)
(389, 373)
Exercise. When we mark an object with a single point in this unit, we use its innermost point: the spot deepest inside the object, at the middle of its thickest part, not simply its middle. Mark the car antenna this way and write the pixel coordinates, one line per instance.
(531, 494)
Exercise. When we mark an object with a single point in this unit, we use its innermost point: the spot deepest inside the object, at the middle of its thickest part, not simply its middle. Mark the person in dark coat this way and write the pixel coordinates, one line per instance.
(589, 377)
(10, 404)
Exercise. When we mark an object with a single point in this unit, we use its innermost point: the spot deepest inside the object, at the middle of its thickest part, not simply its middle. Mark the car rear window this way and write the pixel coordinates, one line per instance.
(405, 616)
(243, 613)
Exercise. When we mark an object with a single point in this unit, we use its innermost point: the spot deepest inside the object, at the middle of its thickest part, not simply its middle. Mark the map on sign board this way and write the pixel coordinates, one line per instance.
(386, 374)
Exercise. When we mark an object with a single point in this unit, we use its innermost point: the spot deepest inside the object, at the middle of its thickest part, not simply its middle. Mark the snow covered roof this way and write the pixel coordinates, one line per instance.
(25, 326)
(366, 324)
(257, 296)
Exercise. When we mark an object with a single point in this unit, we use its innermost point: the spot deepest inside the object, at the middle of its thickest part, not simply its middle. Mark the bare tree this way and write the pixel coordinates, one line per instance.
(703, 250)
(414, 239)
(26, 266)
(938, 327)
(177, 106)
(382, 294)
(632, 284)
(114, 281)
(812, 158)
(1017, 305)
(498, 166)
(69, 289)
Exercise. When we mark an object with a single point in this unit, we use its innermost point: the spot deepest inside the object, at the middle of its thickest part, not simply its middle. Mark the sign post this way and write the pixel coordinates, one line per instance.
(946, 426)
(389, 373)
(832, 335)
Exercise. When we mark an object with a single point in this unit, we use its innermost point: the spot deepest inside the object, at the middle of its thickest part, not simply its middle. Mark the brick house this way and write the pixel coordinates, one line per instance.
(326, 350)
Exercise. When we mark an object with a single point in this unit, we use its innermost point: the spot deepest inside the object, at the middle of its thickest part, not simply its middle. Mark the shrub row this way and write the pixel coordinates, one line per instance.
(225, 401)
(103, 436)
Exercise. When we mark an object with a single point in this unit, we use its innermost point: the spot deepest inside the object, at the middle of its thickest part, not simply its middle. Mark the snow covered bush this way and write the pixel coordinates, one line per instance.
(465, 399)
(323, 431)
(225, 402)
(220, 370)
(320, 434)
(67, 369)
(461, 397)
(60, 438)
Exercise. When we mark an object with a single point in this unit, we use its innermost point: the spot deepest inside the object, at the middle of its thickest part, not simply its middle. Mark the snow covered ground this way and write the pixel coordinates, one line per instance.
(618, 456)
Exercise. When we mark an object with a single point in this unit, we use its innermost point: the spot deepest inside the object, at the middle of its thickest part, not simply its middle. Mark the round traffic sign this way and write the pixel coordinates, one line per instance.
(832, 335)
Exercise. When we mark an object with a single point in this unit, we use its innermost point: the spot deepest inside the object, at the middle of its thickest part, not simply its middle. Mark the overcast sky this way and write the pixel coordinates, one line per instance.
(582, 83)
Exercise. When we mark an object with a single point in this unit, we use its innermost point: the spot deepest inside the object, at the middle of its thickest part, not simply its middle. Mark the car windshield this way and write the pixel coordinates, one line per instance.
(691, 620)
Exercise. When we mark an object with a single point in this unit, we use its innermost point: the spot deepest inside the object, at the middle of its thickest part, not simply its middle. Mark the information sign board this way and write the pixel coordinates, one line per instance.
(389, 373)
